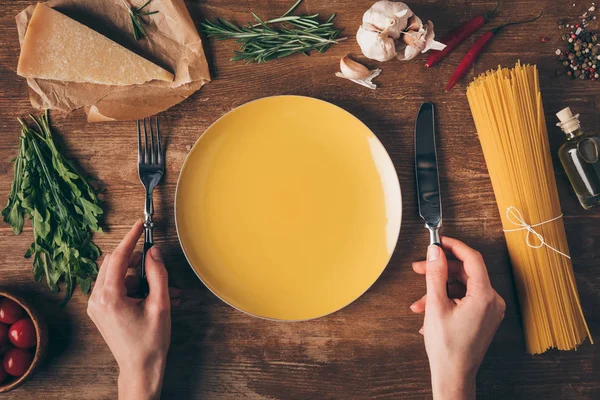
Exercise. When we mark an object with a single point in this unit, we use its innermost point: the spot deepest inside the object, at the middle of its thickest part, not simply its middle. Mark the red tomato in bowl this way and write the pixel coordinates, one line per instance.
(17, 361)
(22, 334)
(10, 312)
(3, 334)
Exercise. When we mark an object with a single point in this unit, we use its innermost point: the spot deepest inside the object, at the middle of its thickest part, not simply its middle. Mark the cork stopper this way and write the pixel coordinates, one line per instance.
(569, 123)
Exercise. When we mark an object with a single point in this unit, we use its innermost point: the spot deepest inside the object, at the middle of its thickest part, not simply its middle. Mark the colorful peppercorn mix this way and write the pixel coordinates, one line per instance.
(581, 55)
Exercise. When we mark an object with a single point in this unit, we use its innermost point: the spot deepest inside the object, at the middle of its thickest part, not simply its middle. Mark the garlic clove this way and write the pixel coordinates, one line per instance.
(430, 42)
(352, 69)
(371, 27)
(414, 24)
(410, 38)
(374, 46)
(419, 42)
(408, 53)
(404, 13)
(366, 82)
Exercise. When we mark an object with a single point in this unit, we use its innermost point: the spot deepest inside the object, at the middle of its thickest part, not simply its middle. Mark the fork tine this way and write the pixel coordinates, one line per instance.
(159, 148)
(146, 155)
(139, 129)
(152, 146)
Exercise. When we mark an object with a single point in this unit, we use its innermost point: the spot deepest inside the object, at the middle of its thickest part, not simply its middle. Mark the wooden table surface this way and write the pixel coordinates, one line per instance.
(370, 349)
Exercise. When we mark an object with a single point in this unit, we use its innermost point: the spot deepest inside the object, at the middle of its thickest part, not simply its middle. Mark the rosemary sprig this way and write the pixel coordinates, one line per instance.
(136, 14)
(261, 41)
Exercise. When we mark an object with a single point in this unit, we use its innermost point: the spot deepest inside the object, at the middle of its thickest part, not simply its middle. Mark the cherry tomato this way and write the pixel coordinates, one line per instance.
(10, 312)
(3, 334)
(2, 375)
(17, 361)
(22, 334)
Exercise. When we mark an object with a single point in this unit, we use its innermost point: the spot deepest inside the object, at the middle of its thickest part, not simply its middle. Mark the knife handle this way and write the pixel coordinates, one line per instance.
(434, 235)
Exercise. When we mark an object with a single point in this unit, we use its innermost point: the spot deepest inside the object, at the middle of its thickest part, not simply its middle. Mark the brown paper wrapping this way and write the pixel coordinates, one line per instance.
(173, 43)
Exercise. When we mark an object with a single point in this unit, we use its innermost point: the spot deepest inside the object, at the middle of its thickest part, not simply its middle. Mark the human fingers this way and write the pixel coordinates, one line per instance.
(455, 269)
(119, 263)
(436, 276)
(132, 276)
(419, 305)
(135, 259)
(473, 263)
(158, 279)
(456, 290)
(132, 282)
(134, 301)
(102, 272)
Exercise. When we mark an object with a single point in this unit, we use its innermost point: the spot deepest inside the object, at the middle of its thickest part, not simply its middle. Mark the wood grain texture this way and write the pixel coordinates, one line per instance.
(370, 349)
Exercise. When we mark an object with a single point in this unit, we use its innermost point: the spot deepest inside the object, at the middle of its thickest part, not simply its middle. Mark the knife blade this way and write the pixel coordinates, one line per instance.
(426, 168)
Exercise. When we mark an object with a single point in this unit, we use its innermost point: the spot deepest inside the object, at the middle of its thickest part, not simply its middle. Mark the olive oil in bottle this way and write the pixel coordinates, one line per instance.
(580, 159)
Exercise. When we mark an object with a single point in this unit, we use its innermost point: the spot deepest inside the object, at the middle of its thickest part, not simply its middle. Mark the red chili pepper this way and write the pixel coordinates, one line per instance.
(474, 52)
(457, 36)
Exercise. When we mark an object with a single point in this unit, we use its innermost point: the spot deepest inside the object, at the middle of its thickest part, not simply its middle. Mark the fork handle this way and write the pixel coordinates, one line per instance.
(148, 243)
(148, 240)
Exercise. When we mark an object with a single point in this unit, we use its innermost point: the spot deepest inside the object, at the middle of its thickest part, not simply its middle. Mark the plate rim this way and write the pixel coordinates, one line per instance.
(387, 154)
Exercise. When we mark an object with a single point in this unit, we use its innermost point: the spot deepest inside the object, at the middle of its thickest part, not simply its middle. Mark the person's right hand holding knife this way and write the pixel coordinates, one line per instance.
(458, 328)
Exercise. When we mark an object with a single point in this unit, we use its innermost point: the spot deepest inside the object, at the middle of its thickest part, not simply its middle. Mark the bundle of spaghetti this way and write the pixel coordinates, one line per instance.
(508, 112)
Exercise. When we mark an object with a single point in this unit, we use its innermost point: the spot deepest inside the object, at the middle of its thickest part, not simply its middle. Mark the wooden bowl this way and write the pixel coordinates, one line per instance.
(41, 331)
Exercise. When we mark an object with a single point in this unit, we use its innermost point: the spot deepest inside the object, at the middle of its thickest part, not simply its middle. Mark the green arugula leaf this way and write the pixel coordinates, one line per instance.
(63, 209)
(30, 251)
(13, 215)
(13, 212)
(85, 285)
(40, 224)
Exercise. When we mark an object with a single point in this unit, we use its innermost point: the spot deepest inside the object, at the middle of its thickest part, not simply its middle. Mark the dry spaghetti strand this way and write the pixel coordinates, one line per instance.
(507, 109)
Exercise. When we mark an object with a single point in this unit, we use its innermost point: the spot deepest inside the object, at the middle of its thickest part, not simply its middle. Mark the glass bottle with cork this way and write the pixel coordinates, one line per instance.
(580, 157)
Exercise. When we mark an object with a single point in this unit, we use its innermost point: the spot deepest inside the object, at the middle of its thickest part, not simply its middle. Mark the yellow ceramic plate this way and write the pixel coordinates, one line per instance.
(288, 208)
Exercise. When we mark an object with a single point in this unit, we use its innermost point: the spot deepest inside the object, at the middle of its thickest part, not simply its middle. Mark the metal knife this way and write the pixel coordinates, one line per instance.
(428, 183)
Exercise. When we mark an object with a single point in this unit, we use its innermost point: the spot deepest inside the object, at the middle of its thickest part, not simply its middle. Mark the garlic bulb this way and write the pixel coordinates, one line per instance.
(357, 73)
(389, 16)
(390, 29)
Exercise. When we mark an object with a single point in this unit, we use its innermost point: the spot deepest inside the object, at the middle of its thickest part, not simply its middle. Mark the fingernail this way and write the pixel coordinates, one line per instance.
(155, 254)
(412, 306)
(433, 253)
(421, 330)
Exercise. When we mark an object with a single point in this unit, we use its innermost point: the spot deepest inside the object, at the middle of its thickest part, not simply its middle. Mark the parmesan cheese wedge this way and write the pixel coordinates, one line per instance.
(60, 48)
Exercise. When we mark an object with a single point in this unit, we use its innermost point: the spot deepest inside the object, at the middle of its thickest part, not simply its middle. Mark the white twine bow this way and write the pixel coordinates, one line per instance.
(515, 216)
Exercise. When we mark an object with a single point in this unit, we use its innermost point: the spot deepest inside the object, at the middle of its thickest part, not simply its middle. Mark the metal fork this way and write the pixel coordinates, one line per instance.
(151, 168)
